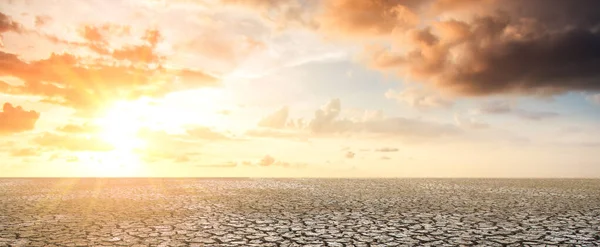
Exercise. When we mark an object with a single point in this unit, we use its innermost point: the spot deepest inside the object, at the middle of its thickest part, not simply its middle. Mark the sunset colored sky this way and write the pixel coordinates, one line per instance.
(300, 88)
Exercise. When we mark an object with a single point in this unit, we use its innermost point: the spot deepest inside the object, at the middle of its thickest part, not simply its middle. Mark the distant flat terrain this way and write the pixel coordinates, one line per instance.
(299, 212)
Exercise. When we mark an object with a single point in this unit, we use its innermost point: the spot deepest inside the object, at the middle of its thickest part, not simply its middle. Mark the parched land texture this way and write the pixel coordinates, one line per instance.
(299, 212)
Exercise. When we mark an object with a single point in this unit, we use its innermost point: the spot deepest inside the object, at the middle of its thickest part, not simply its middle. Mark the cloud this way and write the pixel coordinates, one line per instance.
(153, 154)
(224, 165)
(144, 53)
(119, 67)
(224, 112)
(68, 80)
(260, 4)
(469, 47)
(408, 128)
(8, 25)
(267, 161)
(98, 37)
(367, 17)
(326, 121)
(79, 129)
(349, 155)
(72, 142)
(224, 50)
(276, 133)
(419, 98)
(42, 20)
(276, 120)
(469, 122)
(535, 115)
(283, 13)
(207, 133)
(325, 118)
(140, 53)
(386, 150)
(182, 159)
(504, 107)
(514, 47)
(24, 152)
(16, 119)
(594, 98)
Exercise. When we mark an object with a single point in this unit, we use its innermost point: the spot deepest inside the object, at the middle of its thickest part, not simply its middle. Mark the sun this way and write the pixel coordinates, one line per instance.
(119, 127)
(122, 124)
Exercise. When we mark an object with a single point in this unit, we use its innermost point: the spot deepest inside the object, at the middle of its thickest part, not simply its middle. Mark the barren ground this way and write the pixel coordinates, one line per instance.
(298, 212)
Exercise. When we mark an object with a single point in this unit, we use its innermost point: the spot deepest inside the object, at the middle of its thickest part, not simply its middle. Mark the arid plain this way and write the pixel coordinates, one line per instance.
(299, 212)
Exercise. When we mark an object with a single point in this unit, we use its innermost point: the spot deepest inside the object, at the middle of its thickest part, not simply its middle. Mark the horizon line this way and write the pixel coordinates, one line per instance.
(177, 177)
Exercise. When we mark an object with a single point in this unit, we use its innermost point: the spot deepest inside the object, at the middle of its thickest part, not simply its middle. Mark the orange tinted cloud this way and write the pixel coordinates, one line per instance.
(269, 161)
(72, 142)
(69, 80)
(78, 129)
(16, 119)
(97, 40)
(42, 20)
(224, 165)
(206, 133)
(93, 81)
(7, 24)
(24, 152)
(367, 17)
(140, 53)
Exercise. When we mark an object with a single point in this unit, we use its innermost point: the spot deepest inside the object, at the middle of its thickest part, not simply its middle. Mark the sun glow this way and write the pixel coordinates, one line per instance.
(120, 128)
(123, 123)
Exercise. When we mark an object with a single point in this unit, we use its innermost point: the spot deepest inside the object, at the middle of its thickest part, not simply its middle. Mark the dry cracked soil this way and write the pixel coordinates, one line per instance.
(299, 212)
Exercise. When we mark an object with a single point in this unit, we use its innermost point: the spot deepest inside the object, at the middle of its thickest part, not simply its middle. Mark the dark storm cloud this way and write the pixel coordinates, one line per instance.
(523, 47)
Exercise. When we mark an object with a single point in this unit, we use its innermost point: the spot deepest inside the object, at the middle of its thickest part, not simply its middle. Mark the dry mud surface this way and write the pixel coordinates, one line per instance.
(299, 212)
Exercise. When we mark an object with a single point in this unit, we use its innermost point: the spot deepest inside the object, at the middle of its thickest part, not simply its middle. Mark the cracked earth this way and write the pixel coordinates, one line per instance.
(299, 212)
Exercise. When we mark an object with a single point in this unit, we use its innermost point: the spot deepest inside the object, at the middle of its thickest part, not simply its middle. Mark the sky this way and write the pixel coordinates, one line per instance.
(300, 88)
